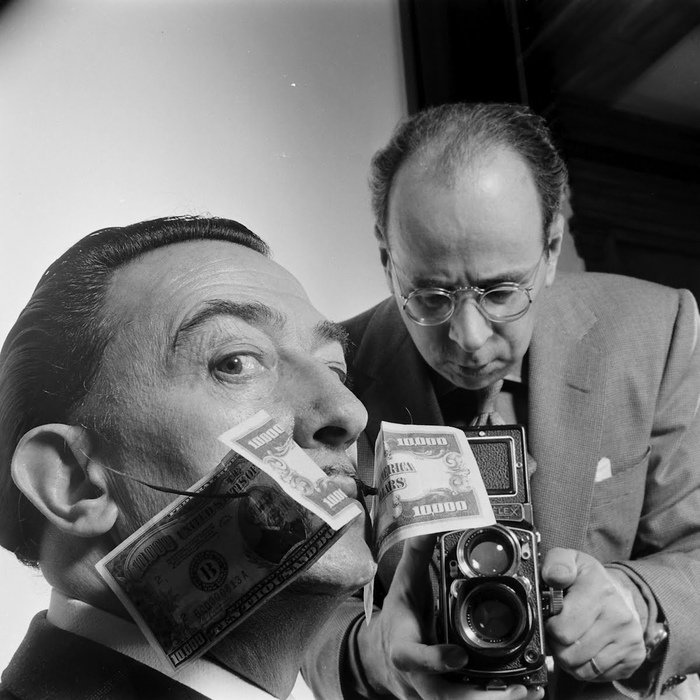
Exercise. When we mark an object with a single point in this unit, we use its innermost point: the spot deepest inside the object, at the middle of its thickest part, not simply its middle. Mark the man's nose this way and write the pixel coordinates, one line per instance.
(469, 328)
(327, 413)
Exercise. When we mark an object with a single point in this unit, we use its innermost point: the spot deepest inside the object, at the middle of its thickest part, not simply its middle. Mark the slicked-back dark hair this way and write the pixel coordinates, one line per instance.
(54, 350)
(449, 135)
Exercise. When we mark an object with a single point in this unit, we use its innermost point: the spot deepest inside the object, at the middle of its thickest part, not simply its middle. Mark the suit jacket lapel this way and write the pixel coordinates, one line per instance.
(567, 378)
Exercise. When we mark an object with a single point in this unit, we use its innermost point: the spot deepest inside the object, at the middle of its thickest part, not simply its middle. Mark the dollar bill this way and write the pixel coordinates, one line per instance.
(428, 481)
(272, 449)
(206, 562)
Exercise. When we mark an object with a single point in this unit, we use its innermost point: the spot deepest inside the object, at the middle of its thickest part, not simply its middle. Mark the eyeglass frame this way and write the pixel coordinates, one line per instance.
(479, 293)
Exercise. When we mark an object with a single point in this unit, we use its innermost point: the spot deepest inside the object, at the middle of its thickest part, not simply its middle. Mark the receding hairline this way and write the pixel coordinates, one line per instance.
(441, 160)
(446, 171)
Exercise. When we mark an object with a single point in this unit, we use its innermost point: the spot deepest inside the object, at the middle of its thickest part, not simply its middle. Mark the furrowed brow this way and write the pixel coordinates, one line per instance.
(254, 313)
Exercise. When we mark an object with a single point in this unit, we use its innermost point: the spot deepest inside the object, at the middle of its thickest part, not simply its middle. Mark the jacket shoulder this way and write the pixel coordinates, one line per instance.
(618, 289)
(622, 304)
(356, 326)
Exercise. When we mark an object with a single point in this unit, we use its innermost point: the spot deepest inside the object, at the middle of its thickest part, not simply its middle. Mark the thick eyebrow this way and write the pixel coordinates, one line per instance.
(255, 313)
(327, 331)
(515, 277)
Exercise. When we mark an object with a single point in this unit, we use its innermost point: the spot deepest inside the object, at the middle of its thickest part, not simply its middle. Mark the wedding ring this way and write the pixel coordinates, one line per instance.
(594, 666)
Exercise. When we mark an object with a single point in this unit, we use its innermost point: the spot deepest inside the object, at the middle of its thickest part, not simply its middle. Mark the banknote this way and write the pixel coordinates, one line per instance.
(272, 449)
(207, 561)
(428, 481)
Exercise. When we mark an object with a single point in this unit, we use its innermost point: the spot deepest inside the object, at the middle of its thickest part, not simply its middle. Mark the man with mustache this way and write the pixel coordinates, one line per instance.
(139, 347)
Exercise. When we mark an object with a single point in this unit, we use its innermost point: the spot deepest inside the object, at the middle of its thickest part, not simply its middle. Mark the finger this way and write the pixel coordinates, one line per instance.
(417, 553)
(560, 567)
(621, 670)
(617, 659)
(591, 670)
(585, 601)
(411, 578)
(430, 659)
(596, 670)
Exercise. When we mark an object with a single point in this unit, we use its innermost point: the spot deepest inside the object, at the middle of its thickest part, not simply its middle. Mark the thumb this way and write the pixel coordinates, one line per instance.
(415, 560)
(560, 567)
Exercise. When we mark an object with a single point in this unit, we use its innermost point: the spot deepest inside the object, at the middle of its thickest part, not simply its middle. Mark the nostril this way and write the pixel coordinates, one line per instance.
(331, 435)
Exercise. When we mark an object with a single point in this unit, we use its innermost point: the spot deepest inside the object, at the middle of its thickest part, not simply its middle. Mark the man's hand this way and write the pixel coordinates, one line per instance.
(599, 621)
(396, 650)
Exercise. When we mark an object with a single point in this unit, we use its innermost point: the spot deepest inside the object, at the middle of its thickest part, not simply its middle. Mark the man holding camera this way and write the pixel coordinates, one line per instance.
(603, 372)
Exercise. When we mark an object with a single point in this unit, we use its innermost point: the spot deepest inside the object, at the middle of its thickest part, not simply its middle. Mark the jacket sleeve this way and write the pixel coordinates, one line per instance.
(331, 667)
(667, 548)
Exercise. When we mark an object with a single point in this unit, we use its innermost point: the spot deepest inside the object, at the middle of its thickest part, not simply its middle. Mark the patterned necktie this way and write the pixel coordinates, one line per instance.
(486, 413)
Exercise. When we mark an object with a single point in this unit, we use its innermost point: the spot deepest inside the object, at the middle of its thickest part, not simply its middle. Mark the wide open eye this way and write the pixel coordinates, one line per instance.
(238, 365)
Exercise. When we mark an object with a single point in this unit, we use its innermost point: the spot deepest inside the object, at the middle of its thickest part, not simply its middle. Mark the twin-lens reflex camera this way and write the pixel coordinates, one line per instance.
(492, 601)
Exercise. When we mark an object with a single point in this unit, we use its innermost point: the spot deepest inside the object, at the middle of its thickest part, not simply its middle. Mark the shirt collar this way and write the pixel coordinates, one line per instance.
(125, 637)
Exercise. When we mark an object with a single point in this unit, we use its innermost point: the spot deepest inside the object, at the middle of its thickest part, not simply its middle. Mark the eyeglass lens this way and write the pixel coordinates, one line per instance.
(499, 303)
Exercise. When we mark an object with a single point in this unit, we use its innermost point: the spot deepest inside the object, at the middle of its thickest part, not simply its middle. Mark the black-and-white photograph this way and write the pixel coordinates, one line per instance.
(350, 349)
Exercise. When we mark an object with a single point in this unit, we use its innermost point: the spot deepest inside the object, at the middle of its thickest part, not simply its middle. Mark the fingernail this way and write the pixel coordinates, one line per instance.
(558, 571)
(456, 658)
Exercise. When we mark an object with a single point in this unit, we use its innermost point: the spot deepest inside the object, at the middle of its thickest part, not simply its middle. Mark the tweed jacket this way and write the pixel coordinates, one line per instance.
(613, 373)
(53, 663)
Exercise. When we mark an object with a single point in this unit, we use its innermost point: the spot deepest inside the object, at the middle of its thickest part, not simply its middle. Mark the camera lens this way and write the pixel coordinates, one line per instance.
(489, 558)
(492, 617)
(488, 551)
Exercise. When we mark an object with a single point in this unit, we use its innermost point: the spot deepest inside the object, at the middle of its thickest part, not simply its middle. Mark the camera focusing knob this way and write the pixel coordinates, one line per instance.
(552, 602)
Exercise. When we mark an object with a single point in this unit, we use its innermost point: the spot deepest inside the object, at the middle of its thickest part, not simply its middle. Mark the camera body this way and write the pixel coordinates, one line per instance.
(491, 600)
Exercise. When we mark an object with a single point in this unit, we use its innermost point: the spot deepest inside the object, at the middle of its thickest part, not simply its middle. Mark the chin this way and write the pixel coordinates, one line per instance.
(470, 380)
(343, 569)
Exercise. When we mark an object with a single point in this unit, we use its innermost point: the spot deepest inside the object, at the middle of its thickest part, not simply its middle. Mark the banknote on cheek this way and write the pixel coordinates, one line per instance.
(271, 448)
(208, 561)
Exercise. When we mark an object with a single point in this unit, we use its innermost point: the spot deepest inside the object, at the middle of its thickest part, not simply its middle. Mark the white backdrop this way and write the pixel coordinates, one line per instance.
(265, 111)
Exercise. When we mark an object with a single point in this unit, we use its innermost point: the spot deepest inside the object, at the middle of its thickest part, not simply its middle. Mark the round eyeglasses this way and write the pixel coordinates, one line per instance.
(501, 303)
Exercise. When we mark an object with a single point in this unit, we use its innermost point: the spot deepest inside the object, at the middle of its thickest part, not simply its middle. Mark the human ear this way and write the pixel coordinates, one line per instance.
(554, 244)
(53, 467)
